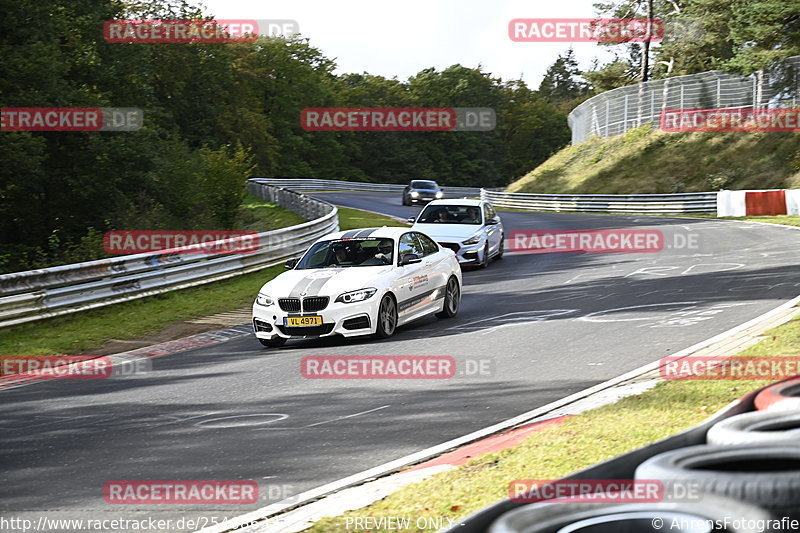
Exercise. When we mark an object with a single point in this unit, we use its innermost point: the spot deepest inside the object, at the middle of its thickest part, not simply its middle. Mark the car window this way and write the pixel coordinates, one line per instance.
(348, 253)
(450, 214)
(410, 245)
(490, 212)
(424, 185)
(428, 245)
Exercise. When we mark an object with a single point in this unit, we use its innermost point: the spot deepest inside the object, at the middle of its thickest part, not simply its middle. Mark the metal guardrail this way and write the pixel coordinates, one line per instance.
(652, 204)
(313, 184)
(616, 111)
(48, 292)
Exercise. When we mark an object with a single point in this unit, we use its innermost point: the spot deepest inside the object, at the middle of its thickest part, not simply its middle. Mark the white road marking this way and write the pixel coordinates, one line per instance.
(591, 317)
(206, 423)
(348, 416)
(515, 318)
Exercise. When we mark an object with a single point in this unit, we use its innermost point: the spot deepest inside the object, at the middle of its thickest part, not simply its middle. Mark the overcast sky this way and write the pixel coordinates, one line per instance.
(402, 38)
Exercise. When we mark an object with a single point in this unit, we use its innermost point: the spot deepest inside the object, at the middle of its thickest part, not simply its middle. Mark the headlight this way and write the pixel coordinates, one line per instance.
(356, 296)
(414, 194)
(475, 239)
(439, 194)
(264, 300)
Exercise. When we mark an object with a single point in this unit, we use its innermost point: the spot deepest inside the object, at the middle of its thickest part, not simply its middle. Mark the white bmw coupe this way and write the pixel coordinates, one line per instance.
(358, 282)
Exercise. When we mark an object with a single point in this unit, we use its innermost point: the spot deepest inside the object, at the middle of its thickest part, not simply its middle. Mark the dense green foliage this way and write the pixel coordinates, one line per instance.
(740, 36)
(214, 115)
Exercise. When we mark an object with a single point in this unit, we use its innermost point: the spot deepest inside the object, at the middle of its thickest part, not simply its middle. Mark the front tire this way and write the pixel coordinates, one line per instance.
(387, 318)
(502, 245)
(405, 201)
(485, 262)
(452, 299)
(275, 342)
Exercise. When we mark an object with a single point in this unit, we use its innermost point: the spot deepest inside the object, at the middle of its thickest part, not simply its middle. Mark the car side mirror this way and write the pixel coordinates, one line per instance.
(410, 220)
(492, 222)
(290, 264)
(410, 259)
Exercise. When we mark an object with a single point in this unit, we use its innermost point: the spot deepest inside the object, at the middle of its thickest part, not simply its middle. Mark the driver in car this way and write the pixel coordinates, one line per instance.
(442, 216)
(385, 252)
(473, 216)
(343, 256)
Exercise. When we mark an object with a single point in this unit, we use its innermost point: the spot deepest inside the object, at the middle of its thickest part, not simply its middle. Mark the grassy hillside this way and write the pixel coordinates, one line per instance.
(652, 161)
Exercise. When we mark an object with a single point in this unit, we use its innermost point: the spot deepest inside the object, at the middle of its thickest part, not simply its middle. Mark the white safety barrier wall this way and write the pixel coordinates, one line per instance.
(793, 202)
(758, 202)
(49, 292)
(651, 204)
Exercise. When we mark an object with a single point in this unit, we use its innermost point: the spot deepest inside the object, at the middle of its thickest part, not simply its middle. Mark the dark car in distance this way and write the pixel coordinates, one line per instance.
(421, 191)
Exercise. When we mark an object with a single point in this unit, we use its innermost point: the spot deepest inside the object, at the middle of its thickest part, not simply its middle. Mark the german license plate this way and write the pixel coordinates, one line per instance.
(302, 321)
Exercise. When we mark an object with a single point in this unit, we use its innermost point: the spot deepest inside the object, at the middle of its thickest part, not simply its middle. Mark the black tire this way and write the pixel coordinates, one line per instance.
(485, 262)
(405, 202)
(387, 317)
(756, 427)
(552, 517)
(764, 475)
(275, 342)
(452, 299)
(502, 245)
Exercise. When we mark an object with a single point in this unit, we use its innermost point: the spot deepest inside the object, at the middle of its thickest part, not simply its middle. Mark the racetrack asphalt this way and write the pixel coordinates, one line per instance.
(550, 325)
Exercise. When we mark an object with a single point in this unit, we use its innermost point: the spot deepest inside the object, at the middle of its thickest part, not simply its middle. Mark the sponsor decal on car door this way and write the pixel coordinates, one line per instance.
(415, 286)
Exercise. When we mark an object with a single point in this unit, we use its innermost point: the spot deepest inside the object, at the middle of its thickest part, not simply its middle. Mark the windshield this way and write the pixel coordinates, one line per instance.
(348, 253)
(424, 185)
(450, 214)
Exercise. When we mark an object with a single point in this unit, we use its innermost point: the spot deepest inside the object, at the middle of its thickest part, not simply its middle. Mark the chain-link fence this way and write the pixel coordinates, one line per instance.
(616, 111)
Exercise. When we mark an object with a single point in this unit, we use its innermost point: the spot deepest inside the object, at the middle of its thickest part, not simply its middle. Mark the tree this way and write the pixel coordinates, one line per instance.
(563, 80)
(618, 73)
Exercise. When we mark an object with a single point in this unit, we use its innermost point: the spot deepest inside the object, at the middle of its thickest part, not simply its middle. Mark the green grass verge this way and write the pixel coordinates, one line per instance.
(652, 161)
(87, 330)
(579, 442)
(356, 218)
(786, 220)
(257, 215)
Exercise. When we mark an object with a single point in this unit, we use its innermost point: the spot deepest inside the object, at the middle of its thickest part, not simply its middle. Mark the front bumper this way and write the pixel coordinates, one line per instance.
(466, 254)
(348, 320)
(421, 200)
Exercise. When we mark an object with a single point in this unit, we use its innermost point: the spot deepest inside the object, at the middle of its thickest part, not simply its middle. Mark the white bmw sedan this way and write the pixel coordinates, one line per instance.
(358, 282)
(471, 228)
